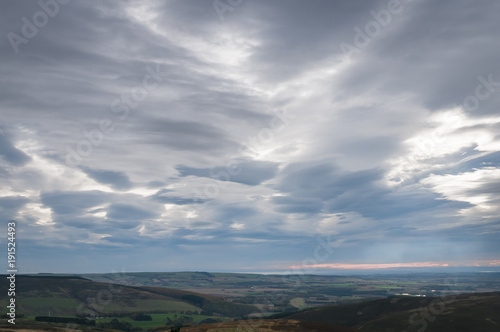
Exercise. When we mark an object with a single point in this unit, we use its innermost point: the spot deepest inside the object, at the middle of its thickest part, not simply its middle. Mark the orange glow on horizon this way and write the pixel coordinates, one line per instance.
(372, 266)
(342, 266)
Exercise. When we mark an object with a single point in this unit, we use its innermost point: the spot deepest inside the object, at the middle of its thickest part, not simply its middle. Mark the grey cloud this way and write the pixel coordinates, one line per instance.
(309, 185)
(117, 180)
(10, 153)
(167, 196)
(289, 48)
(464, 160)
(333, 159)
(75, 202)
(128, 212)
(10, 205)
(249, 172)
(298, 205)
(155, 184)
(430, 54)
(184, 135)
(384, 204)
(84, 223)
(316, 188)
(228, 212)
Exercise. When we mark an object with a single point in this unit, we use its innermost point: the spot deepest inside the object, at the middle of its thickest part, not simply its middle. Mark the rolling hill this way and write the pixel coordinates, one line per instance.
(77, 296)
(463, 312)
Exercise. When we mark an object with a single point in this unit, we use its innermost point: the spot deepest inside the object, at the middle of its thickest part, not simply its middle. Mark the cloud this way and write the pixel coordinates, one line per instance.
(69, 203)
(297, 205)
(260, 134)
(246, 172)
(127, 212)
(164, 196)
(184, 135)
(117, 180)
(10, 206)
(10, 153)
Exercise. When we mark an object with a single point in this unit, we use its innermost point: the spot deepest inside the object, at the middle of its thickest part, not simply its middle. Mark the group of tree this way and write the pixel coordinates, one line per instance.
(224, 308)
(228, 309)
(75, 320)
(142, 317)
(116, 325)
(179, 321)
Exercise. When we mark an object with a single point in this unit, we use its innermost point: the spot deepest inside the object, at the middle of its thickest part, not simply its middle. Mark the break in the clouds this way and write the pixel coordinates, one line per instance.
(190, 135)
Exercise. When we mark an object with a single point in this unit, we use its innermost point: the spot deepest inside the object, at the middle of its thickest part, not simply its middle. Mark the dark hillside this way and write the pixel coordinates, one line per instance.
(268, 325)
(463, 312)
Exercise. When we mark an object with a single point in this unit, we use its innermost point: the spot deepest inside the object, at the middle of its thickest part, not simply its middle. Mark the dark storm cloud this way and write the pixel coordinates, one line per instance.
(249, 172)
(117, 180)
(10, 153)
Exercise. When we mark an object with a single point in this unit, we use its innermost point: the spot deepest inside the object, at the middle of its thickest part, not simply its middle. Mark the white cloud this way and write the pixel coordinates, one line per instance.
(448, 132)
(465, 187)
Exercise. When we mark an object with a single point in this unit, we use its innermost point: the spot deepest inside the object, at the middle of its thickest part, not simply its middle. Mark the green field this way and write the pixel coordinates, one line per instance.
(43, 305)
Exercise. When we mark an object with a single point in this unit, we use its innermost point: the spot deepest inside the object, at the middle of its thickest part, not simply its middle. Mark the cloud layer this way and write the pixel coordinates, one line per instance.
(172, 135)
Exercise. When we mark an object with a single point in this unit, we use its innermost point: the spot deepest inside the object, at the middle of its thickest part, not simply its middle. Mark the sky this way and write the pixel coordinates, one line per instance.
(250, 135)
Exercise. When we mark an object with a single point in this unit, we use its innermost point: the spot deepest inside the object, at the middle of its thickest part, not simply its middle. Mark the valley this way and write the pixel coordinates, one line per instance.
(201, 301)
